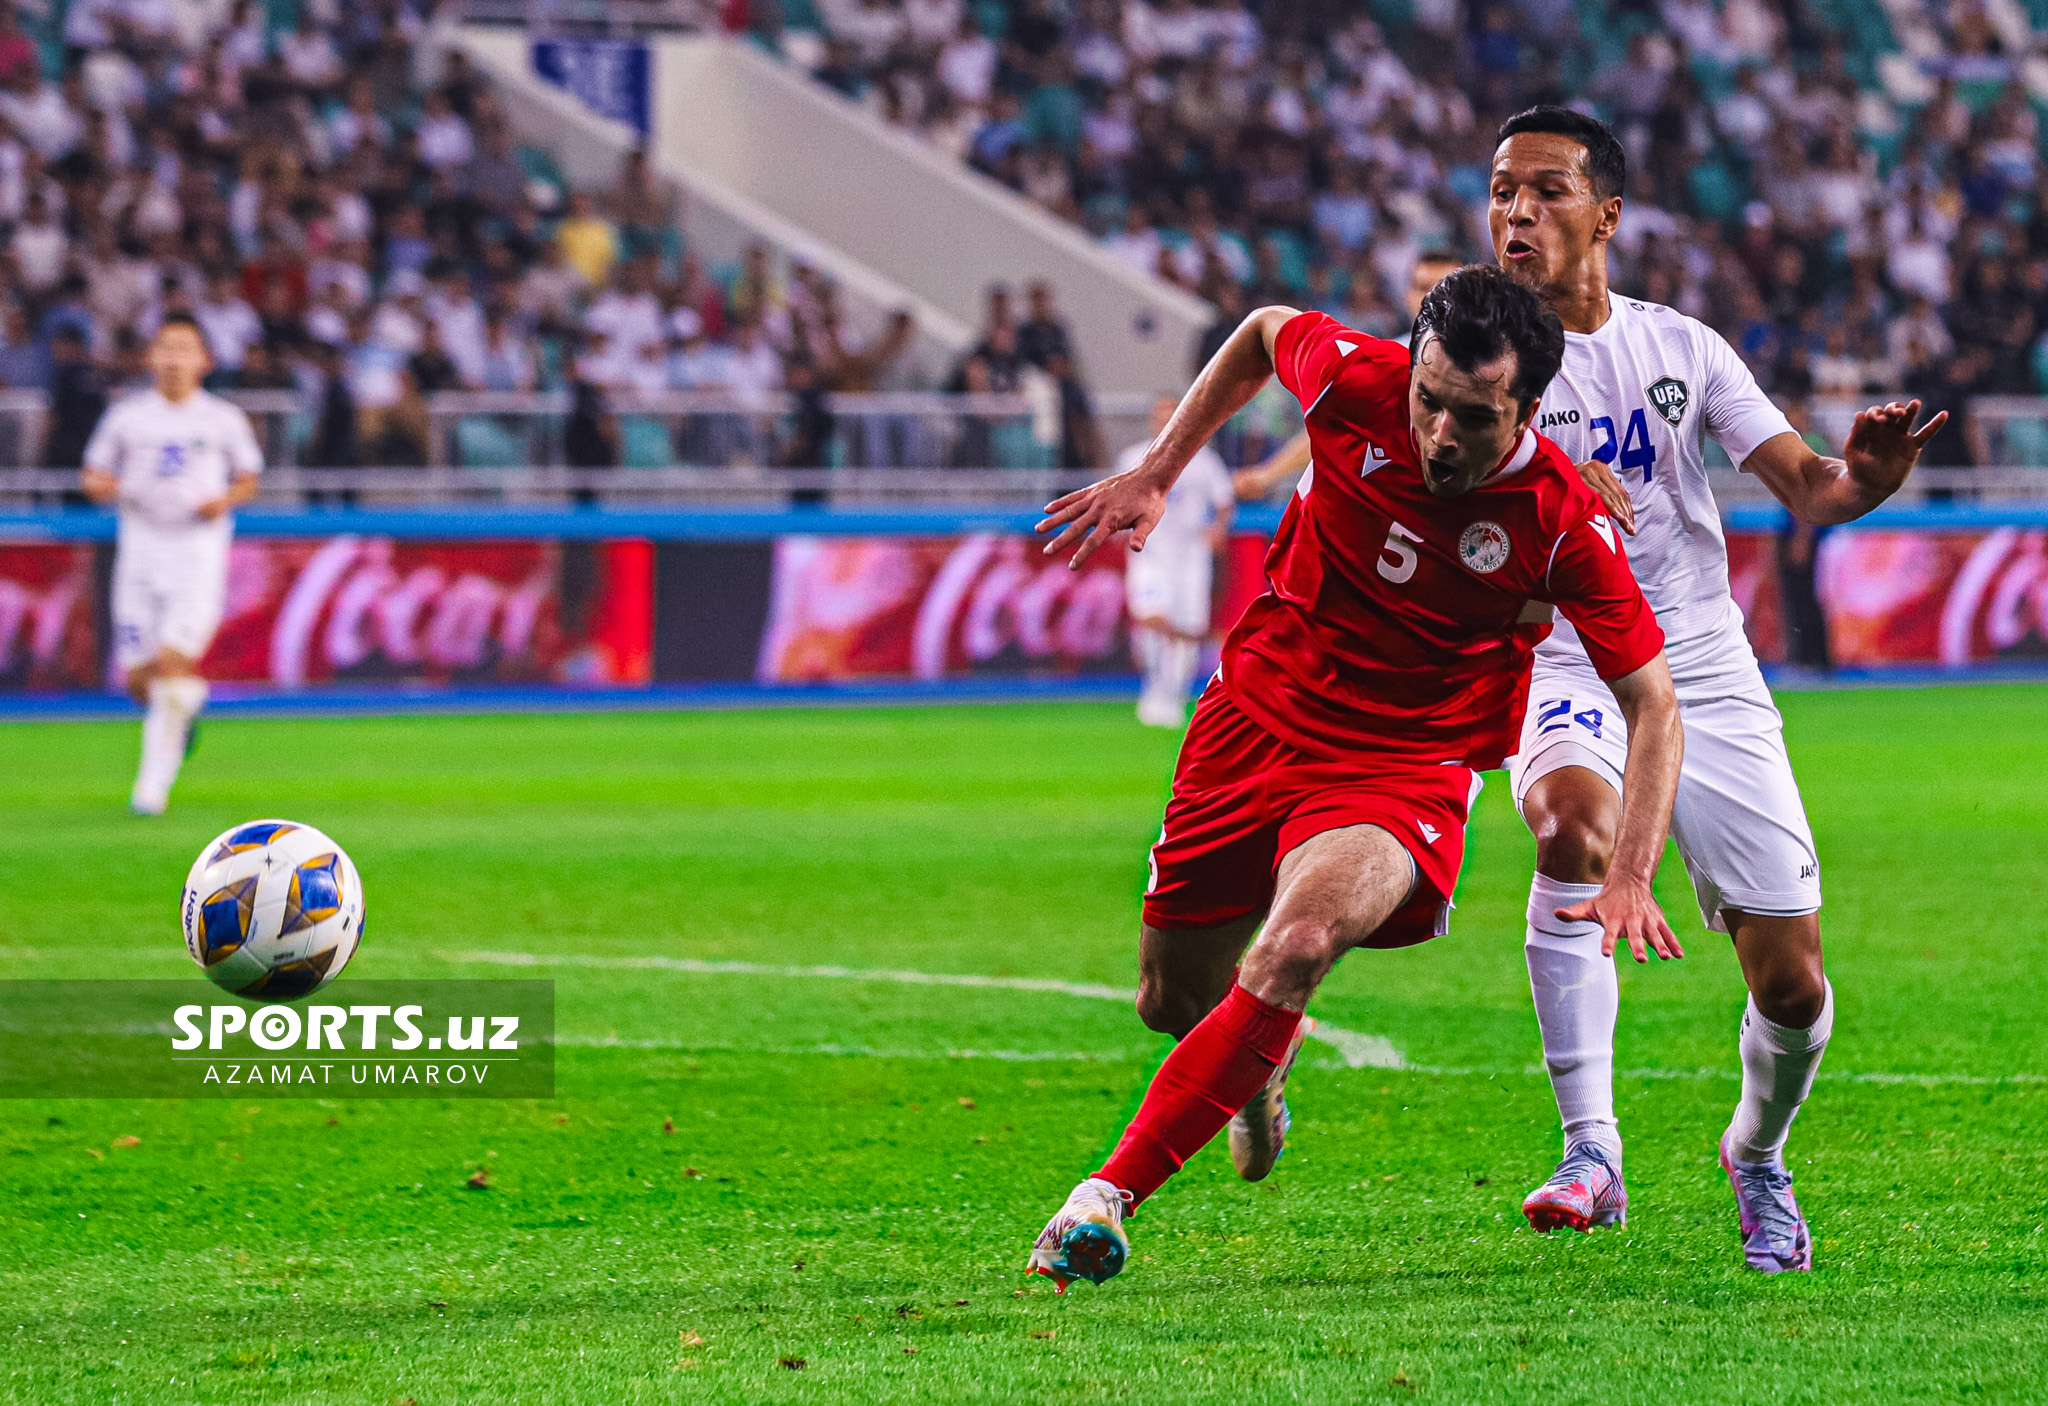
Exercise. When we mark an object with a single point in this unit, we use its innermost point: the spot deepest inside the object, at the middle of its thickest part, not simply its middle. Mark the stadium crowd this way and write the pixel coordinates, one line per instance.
(342, 233)
(367, 242)
(1310, 152)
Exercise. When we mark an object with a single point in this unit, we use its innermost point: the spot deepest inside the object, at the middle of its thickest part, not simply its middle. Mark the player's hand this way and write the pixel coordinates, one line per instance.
(211, 509)
(1089, 517)
(1883, 446)
(1613, 493)
(1626, 912)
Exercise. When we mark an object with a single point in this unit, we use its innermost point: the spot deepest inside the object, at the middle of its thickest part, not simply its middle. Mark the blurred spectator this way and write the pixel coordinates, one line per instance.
(1043, 334)
(334, 440)
(588, 241)
(1798, 551)
(77, 399)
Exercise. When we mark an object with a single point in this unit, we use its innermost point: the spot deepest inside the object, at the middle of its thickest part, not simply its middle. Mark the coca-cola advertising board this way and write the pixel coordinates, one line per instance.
(48, 635)
(367, 609)
(303, 612)
(922, 607)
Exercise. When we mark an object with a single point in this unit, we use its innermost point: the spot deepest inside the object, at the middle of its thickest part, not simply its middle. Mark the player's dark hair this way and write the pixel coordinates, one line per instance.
(1479, 314)
(1606, 162)
(185, 319)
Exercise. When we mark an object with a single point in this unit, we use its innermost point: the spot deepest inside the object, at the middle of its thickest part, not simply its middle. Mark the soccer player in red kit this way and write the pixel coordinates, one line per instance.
(1320, 798)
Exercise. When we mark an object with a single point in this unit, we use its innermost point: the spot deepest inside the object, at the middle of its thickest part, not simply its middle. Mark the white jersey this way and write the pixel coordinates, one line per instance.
(1200, 493)
(169, 459)
(1642, 394)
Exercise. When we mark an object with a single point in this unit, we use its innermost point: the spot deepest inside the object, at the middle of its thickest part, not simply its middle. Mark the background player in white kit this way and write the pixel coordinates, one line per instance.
(1640, 387)
(1168, 585)
(176, 461)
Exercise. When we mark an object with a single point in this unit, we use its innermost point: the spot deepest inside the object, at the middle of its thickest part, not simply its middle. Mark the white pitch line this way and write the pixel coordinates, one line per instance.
(1356, 1050)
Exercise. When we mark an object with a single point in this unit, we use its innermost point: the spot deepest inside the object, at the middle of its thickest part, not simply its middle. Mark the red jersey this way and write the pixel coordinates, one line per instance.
(1390, 621)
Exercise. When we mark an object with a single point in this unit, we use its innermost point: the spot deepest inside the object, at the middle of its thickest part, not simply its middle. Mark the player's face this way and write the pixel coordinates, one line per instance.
(178, 361)
(1545, 219)
(1465, 422)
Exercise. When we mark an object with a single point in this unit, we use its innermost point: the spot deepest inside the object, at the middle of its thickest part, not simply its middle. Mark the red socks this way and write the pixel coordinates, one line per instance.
(1209, 1076)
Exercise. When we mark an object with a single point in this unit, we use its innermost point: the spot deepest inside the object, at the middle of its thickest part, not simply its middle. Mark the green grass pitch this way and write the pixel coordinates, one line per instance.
(857, 1167)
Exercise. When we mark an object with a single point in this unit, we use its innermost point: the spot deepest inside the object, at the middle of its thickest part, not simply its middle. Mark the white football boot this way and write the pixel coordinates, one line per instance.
(1085, 1239)
(1258, 1134)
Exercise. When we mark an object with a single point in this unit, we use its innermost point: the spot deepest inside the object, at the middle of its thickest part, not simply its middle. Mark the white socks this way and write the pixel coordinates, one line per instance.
(1778, 1066)
(173, 703)
(1577, 995)
(1169, 665)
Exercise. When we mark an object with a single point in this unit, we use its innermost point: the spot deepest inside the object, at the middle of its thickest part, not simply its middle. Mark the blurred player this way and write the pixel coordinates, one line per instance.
(1170, 582)
(176, 461)
(1292, 457)
(1640, 388)
(1323, 785)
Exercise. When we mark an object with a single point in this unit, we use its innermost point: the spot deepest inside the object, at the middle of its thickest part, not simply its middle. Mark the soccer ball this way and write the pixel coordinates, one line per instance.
(272, 909)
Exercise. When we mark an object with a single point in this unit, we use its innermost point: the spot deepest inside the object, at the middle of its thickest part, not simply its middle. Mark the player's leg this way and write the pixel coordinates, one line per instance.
(1334, 890)
(1567, 783)
(1184, 973)
(1742, 828)
(1187, 624)
(187, 615)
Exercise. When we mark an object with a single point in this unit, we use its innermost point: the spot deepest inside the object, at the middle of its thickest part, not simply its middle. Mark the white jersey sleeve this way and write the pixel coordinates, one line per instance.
(243, 453)
(103, 450)
(1739, 416)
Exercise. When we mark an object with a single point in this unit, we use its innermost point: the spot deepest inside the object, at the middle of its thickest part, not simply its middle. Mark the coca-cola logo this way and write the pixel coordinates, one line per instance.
(352, 604)
(997, 592)
(1999, 599)
(849, 607)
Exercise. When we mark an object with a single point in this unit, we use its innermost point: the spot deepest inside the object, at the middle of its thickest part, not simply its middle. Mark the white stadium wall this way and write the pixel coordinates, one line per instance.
(728, 114)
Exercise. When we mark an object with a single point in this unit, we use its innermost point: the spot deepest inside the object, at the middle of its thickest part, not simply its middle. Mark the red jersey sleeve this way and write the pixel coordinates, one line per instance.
(1306, 354)
(1590, 581)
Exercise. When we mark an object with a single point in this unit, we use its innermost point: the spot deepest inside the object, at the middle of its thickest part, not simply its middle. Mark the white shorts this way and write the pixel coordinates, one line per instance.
(166, 602)
(1170, 586)
(1739, 822)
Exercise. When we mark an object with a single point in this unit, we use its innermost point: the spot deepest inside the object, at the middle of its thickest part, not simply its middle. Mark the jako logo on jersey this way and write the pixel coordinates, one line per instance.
(1669, 398)
(1484, 547)
(1375, 458)
(1429, 831)
(1553, 418)
(1601, 525)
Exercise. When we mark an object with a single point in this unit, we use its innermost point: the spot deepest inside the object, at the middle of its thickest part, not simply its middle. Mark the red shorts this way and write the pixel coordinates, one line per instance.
(1243, 799)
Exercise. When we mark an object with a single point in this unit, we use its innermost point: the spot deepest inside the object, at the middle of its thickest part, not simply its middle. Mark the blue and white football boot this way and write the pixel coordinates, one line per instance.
(1586, 1190)
(1774, 1233)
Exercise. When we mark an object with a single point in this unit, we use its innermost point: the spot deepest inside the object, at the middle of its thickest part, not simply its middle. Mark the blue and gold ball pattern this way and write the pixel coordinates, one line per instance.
(272, 909)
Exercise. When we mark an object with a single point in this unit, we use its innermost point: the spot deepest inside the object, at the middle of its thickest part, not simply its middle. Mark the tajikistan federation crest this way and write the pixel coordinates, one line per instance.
(1669, 397)
(1484, 547)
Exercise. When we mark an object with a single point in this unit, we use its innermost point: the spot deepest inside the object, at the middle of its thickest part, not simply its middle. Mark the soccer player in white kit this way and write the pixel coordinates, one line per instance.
(1168, 585)
(1640, 389)
(176, 461)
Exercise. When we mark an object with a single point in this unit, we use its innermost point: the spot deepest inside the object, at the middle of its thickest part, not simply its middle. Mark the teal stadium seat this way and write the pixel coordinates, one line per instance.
(485, 442)
(1716, 192)
(644, 443)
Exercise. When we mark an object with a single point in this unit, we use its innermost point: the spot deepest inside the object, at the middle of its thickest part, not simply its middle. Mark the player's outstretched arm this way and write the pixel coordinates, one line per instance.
(1625, 908)
(241, 489)
(1132, 501)
(1289, 459)
(1879, 453)
(102, 487)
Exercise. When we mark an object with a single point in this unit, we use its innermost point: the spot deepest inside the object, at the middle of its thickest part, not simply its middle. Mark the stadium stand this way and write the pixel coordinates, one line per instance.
(1848, 189)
